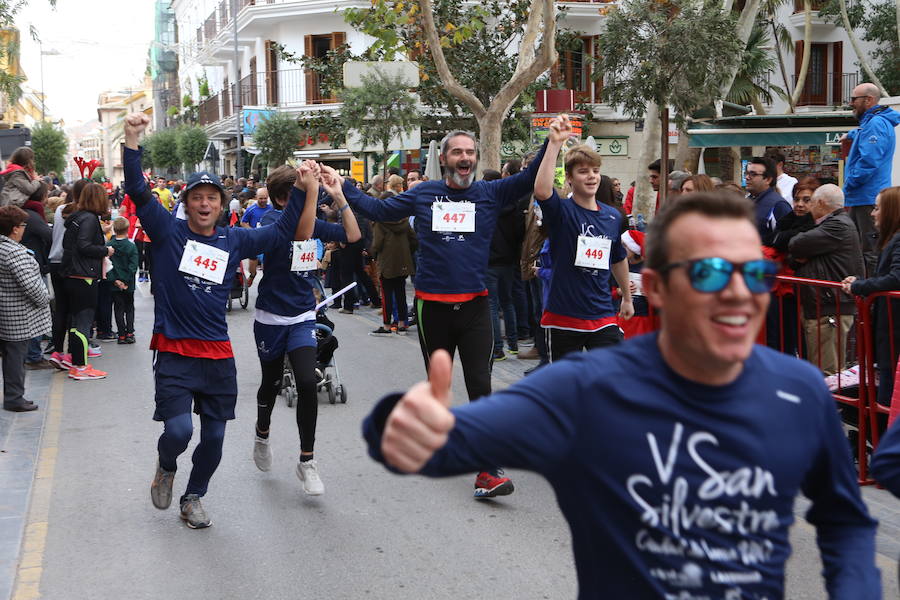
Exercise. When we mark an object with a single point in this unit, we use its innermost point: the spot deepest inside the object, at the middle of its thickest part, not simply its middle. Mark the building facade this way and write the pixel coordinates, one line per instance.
(228, 49)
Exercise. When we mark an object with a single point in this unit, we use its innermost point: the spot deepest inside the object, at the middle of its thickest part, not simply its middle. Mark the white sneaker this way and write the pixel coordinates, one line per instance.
(308, 473)
(262, 453)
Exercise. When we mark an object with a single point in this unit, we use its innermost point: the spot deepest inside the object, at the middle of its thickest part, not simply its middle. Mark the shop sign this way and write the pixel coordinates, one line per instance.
(616, 146)
(540, 125)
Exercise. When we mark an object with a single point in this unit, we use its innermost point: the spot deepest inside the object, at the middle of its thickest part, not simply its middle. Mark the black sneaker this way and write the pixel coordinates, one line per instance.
(381, 331)
(499, 355)
(105, 337)
(122, 340)
(129, 338)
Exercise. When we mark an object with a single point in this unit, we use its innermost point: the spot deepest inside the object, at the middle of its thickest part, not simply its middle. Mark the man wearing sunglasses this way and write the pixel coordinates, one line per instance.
(675, 456)
(829, 251)
(761, 176)
(867, 170)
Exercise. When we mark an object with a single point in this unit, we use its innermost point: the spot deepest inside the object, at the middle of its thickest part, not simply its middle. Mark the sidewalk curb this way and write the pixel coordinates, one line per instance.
(21, 437)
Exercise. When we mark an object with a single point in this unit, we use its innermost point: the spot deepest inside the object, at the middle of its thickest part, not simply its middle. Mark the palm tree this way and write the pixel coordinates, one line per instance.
(783, 43)
(752, 84)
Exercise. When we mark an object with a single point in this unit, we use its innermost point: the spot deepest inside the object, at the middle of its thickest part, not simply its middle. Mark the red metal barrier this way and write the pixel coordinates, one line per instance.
(787, 314)
(871, 331)
(830, 352)
(812, 324)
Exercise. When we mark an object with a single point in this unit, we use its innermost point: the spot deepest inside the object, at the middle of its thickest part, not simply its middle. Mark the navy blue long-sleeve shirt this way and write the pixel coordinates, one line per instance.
(449, 264)
(186, 306)
(886, 461)
(289, 293)
(670, 486)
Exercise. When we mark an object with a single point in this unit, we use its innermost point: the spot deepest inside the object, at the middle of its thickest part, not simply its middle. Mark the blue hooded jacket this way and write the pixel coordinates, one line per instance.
(868, 168)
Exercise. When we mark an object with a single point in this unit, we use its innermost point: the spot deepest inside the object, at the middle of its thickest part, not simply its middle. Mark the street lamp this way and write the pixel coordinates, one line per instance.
(50, 52)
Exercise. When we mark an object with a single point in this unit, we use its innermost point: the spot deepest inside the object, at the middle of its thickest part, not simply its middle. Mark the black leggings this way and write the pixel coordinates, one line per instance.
(303, 363)
(394, 290)
(561, 341)
(145, 261)
(81, 294)
(466, 326)
(61, 309)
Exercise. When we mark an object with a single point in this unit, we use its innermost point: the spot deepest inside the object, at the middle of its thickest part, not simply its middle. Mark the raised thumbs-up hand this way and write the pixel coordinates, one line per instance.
(419, 424)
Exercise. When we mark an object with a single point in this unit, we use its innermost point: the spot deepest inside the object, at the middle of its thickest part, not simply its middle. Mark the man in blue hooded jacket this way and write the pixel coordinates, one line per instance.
(868, 167)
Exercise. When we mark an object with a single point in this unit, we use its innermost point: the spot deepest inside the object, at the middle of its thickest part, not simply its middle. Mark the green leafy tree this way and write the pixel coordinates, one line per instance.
(468, 77)
(162, 147)
(677, 54)
(99, 175)
(50, 146)
(380, 110)
(191, 146)
(277, 138)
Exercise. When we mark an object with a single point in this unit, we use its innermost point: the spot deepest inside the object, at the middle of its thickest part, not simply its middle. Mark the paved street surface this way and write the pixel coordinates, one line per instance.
(91, 532)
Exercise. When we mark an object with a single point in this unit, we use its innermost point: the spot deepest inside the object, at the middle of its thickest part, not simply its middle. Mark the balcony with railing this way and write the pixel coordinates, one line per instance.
(827, 89)
(290, 88)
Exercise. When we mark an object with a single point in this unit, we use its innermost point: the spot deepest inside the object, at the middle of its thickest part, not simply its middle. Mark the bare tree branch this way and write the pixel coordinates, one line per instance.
(545, 58)
(855, 43)
(440, 62)
(532, 28)
(807, 51)
(744, 27)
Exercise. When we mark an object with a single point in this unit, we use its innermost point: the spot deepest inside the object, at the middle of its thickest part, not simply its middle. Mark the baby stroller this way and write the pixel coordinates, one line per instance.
(239, 289)
(328, 376)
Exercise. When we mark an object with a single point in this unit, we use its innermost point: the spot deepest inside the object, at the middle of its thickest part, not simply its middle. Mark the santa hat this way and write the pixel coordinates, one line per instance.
(634, 241)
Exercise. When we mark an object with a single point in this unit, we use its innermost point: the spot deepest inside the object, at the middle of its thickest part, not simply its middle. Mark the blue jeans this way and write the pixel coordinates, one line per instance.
(520, 300)
(499, 285)
(535, 289)
(34, 353)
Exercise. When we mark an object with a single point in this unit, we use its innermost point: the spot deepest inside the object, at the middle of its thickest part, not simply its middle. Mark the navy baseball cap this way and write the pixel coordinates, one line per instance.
(205, 178)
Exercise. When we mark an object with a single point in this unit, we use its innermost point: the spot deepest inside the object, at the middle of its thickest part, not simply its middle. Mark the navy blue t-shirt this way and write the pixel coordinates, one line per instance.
(186, 306)
(449, 263)
(671, 488)
(289, 293)
(579, 295)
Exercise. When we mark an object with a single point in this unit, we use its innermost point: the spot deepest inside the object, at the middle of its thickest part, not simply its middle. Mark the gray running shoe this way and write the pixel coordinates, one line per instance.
(161, 488)
(308, 473)
(262, 453)
(192, 512)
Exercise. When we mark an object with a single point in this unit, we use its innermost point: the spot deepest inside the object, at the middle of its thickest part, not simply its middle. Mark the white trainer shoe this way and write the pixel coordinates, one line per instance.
(262, 453)
(308, 473)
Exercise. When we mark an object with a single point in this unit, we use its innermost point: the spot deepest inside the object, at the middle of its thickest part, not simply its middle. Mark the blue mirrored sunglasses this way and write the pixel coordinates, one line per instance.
(710, 275)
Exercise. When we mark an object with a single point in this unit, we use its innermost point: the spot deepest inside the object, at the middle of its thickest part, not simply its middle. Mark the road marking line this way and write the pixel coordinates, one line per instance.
(28, 575)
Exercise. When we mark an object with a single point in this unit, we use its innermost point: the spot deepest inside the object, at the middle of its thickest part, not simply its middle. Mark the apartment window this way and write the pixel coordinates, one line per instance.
(317, 46)
(574, 70)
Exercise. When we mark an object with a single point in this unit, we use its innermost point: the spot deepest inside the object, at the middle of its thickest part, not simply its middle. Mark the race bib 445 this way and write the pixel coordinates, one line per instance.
(204, 261)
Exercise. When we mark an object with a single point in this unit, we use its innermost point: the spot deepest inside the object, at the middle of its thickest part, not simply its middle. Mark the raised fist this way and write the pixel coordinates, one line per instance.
(136, 123)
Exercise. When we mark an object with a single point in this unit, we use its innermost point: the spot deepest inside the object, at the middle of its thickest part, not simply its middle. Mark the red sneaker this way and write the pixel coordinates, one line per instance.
(86, 372)
(489, 485)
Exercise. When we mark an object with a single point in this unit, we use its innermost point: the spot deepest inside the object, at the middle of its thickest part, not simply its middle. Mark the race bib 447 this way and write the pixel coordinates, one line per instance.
(453, 216)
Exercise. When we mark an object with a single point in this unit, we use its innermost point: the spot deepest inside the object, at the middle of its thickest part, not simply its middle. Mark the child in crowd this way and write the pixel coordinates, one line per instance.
(641, 322)
(122, 275)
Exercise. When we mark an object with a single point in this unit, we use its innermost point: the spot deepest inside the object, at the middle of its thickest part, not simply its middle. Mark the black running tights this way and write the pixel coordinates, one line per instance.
(303, 363)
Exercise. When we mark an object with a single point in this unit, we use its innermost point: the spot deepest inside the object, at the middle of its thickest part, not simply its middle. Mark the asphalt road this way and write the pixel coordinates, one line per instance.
(92, 532)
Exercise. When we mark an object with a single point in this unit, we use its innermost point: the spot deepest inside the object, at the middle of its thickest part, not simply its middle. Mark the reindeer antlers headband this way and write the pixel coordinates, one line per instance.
(89, 166)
